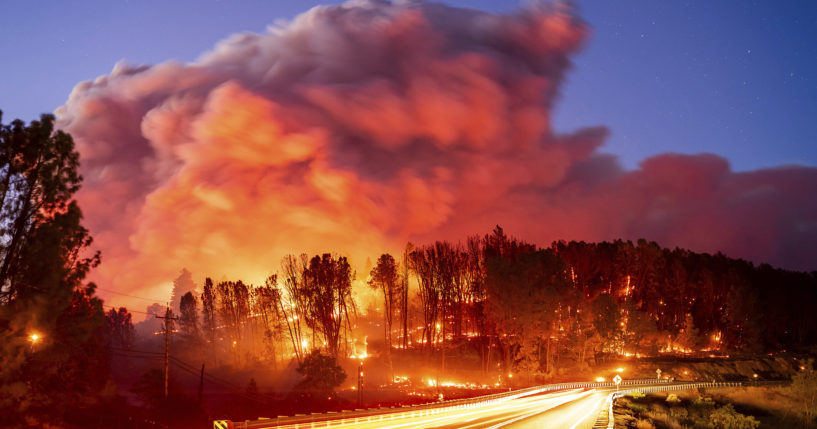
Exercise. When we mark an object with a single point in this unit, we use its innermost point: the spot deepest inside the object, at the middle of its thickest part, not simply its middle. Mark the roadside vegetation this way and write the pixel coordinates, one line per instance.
(738, 408)
(669, 410)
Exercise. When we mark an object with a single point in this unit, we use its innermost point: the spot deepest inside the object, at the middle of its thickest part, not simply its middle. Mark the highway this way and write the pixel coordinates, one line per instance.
(569, 409)
(563, 406)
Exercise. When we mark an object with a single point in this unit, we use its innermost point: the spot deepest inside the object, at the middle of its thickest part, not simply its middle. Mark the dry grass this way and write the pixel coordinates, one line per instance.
(772, 406)
(663, 419)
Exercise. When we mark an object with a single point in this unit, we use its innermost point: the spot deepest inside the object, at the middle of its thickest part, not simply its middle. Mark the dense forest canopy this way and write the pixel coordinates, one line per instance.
(533, 309)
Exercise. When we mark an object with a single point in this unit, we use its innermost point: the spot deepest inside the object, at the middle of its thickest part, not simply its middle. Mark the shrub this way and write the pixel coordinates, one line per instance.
(673, 399)
(644, 424)
(637, 394)
(678, 413)
(702, 402)
(804, 386)
(639, 408)
(727, 418)
(321, 374)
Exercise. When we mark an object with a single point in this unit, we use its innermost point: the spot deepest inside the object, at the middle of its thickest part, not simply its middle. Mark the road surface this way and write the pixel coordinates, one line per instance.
(570, 409)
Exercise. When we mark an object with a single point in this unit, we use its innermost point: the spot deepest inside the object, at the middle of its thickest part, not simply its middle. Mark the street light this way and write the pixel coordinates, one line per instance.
(34, 338)
(360, 379)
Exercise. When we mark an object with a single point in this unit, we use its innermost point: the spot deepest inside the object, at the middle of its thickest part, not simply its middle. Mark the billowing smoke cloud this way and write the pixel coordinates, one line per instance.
(355, 128)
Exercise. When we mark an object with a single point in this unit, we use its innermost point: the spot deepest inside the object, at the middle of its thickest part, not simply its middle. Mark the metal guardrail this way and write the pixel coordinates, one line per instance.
(320, 420)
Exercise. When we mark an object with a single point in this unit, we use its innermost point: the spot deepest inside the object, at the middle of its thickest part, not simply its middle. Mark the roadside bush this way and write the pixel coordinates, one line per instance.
(636, 394)
(726, 417)
(638, 408)
(703, 403)
(673, 399)
(804, 386)
(679, 413)
(644, 424)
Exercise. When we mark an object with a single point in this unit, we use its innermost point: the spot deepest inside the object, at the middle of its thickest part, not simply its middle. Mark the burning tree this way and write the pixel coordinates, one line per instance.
(268, 301)
(327, 286)
(384, 277)
(294, 310)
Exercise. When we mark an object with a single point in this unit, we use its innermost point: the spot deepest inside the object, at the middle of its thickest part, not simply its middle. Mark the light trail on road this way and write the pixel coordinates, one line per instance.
(566, 406)
(575, 409)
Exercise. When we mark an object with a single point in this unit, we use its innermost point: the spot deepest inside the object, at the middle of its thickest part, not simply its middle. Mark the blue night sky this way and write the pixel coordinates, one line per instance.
(735, 78)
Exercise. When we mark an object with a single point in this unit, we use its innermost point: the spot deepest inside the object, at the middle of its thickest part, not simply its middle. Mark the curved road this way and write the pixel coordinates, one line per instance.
(569, 409)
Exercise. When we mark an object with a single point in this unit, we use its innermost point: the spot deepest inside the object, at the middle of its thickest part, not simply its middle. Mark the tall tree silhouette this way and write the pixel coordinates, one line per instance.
(189, 320)
(208, 312)
(328, 288)
(42, 269)
(384, 277)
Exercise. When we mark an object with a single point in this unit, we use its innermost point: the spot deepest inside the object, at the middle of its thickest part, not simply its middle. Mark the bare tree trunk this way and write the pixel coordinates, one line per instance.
(442, 370)
(547, 357)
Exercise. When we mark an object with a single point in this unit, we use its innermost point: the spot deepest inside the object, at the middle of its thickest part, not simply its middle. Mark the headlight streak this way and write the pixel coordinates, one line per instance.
(538, 403)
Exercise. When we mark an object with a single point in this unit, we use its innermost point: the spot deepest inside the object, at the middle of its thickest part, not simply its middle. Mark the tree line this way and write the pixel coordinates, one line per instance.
(530, 309)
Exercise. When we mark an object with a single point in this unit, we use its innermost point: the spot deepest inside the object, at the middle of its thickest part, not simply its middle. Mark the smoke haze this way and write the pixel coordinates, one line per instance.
(357, 127)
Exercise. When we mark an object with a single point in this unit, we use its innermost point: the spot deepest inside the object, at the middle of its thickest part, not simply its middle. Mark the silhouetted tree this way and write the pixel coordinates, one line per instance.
(268, 304)
(385, 278)
(327, 285)
(296, 307)
(233, 310)
(42, 270)
(189, 319)
(119, 328)
(321, 375)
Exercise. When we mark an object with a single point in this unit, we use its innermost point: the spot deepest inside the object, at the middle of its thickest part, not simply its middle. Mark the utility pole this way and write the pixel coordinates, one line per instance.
(168, 318)
(201, 383)
(360, 383)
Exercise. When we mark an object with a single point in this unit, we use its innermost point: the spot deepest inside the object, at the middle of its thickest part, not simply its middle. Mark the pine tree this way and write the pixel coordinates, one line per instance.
(64, 367)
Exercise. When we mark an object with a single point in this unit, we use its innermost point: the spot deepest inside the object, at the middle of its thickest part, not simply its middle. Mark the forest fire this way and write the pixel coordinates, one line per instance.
(336, 186)
(516, 311)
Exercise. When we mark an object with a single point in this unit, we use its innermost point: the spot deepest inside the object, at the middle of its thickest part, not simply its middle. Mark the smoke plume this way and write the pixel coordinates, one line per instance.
(357, 127)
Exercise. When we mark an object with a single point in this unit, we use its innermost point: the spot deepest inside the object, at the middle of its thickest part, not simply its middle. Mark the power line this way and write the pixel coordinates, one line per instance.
(133, 296)
(187, 367)
(237, 390)
(117, 349)
(130, 311)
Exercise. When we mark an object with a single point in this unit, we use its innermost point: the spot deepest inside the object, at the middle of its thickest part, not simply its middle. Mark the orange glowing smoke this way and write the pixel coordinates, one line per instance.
(357, 127)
